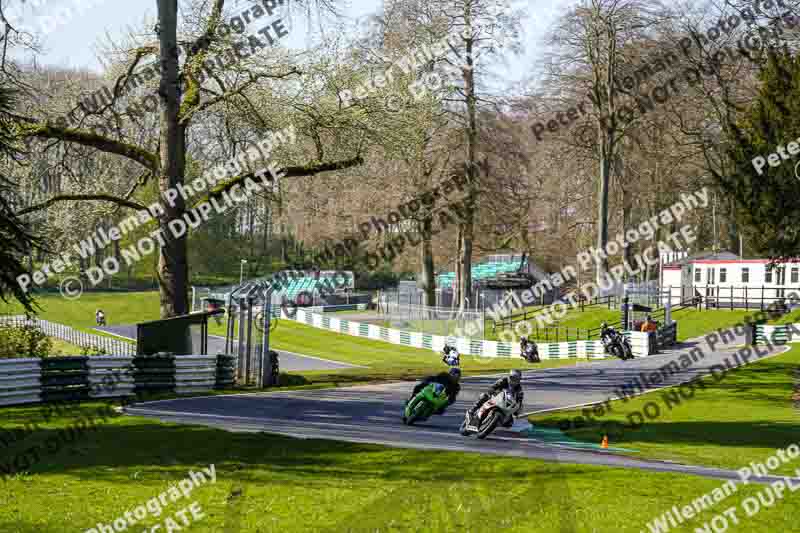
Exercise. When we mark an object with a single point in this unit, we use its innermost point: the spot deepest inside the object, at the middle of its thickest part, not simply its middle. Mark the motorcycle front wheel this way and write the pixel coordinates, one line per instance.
(463, 428)
(487, 427)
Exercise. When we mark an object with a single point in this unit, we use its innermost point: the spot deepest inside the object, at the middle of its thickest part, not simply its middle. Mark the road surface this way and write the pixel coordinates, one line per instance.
(371, 414)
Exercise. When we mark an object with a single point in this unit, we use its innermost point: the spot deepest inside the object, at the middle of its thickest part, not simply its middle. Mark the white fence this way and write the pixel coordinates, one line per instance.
(73, 336)
(589, 349)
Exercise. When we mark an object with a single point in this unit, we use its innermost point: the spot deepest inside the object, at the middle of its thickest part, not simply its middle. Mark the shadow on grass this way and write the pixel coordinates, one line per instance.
(156, 451)
(724, 434)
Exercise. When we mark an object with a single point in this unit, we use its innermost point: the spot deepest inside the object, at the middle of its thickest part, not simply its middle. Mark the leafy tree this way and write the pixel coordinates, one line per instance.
(15, 238)
(768, 200)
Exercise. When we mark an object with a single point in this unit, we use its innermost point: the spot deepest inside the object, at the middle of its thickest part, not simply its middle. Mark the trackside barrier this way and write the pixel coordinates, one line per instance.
(667, 335)
(56, 379)
(592, 349)
(71, 335)
(65, 378)
(779, 334)
(20, 381)
(110, 376)
(195, 373)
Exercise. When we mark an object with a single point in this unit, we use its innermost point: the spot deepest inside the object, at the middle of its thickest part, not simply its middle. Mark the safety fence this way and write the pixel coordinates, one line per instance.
(71, 335)
(776, 334)
(590, 349)
(54, 379)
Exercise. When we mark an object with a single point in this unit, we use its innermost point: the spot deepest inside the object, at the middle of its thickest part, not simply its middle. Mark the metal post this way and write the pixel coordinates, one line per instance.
(240, 347)
(249, 363)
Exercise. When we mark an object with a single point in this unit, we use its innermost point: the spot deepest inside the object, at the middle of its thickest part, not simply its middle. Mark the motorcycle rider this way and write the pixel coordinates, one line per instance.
(528, 350)
(605, 330)
(447, 379)
(512, 382)
(450, 355)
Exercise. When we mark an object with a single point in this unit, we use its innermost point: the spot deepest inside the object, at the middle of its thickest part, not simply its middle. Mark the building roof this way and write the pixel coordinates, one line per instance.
(704, 257)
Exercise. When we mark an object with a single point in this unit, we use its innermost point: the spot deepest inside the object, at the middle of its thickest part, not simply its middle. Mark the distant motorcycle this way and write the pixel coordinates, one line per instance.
(499, 409)
(616, 344)
(530, 352)
(450, 356)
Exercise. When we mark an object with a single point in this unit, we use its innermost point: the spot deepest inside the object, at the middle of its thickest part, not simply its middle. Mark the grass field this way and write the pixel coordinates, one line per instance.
(64, 348)
(275, 484)
(728, 423)
(384, 361)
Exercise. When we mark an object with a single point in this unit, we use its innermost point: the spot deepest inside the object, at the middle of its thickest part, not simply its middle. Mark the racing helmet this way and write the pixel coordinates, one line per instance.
(455, 372)
(523, 340)
(514, 377)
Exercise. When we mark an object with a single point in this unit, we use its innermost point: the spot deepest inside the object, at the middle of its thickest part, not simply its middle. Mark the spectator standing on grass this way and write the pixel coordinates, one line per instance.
(100, 317)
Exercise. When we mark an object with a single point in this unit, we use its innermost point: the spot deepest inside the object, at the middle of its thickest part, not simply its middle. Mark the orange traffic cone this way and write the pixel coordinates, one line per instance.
(604, 443)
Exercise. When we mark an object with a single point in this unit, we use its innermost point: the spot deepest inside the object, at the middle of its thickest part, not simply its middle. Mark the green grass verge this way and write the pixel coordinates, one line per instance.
(119, 307)
(64, 348)
(268, 483)
(744, 417)
(385, 361)
(792, 317)
(693, 323)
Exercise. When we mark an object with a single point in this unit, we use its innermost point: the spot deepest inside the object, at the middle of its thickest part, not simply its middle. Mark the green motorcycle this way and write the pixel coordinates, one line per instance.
(426, 402)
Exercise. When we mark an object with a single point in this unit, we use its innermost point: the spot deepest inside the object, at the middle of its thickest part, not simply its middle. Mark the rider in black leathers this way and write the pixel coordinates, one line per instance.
(528, 350)
(449, 380)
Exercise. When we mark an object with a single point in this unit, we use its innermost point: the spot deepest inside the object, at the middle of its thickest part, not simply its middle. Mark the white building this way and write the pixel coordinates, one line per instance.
(724, 280)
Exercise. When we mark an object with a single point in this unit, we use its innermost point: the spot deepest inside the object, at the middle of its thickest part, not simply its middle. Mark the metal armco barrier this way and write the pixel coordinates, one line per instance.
(56, 379)
(20, 381)
(65, 379)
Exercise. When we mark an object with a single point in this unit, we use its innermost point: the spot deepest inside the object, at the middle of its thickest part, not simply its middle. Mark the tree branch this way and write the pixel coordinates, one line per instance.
(77, 197)
(188, 112)
(287, 172)
(85, 138)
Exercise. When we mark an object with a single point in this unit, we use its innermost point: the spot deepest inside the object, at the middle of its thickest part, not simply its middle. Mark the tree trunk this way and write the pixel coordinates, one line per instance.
(627, 252)
(427, 280)
(466, 228)
(172, 265)
(602, 211)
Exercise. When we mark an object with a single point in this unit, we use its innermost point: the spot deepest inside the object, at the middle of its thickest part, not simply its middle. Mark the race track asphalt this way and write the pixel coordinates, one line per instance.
(371, 414)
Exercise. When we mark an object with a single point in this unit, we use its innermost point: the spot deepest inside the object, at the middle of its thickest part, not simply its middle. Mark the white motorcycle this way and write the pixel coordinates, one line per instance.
(499, 409)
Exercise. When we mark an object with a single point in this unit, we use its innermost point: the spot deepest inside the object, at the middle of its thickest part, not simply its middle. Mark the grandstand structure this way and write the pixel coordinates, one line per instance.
(494, 278)
(488, 268)
(294, 287)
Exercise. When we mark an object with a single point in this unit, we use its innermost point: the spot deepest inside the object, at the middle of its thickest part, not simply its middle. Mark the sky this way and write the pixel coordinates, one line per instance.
(72, 29)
